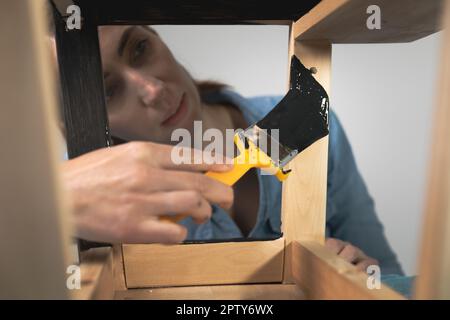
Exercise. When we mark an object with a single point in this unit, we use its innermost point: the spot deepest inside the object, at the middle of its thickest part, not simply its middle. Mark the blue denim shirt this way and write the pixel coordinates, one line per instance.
(350, 213)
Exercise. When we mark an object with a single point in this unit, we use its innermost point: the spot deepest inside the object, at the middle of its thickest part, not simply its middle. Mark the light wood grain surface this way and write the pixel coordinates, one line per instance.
(202, 264)
(344, 21)
(304, 192)
(322, 274)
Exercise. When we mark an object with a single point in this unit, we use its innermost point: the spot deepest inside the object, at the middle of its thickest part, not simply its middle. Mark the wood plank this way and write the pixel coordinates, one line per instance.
(434, 259)
(227, 292)
(304, 192)
(81, 77)
(192, 11)
(34, 245)
(322, 274)
(344, 21)
(96, 275)
(83, 106)
(202, 264)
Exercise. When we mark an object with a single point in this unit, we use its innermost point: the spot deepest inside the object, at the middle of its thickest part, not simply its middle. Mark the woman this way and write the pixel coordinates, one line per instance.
(149, 94)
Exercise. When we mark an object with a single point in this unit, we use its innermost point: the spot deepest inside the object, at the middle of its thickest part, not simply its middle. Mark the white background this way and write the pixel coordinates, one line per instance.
(383, 95)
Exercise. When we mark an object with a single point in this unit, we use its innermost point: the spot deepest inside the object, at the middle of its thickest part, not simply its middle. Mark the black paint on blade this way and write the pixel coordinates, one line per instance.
(302, 115)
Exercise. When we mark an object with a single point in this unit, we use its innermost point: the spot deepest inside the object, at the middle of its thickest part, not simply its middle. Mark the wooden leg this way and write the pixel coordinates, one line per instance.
(304, 193)
(81, 77)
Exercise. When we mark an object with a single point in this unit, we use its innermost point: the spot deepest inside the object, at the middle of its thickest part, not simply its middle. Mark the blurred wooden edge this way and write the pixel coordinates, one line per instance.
(155, 265)
(97, 281)
(344, 21)
(433, 281)
(34, 227)
(323, 275)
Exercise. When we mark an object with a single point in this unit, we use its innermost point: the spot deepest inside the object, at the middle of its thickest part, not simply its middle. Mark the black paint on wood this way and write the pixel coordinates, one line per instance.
(302, 115)
(81, 77)
(194, 11)
(83, 104)
(80, 69)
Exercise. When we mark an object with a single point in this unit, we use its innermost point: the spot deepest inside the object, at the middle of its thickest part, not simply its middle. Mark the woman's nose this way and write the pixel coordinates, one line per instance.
(149, 89)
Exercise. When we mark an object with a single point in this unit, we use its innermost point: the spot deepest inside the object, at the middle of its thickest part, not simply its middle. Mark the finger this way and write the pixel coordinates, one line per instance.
(212, 190)
(187, 159)
(188, 202)
(154, 231)
(335, 245)
(350, 253)
(365, 263)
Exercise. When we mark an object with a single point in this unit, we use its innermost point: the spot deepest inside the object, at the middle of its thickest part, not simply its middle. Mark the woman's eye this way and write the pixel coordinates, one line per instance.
(140, 48)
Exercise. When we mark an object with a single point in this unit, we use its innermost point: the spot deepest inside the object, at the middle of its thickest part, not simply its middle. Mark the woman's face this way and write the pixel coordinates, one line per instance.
(148, 93)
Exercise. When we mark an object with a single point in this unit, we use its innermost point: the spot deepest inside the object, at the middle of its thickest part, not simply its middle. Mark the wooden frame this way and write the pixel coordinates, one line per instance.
(87, 110)
(304, 195)
(295, 266)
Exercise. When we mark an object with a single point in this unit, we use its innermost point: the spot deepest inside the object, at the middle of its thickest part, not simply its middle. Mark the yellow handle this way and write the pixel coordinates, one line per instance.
(240, 166)
(251, 157)
(230, 177)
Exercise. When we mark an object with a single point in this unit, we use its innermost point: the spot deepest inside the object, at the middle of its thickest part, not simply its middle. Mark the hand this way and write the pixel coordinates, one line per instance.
(118, 193)
(350, 253)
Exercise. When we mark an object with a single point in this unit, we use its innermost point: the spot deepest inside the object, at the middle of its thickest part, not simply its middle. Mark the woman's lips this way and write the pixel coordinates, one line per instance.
(178, 114)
